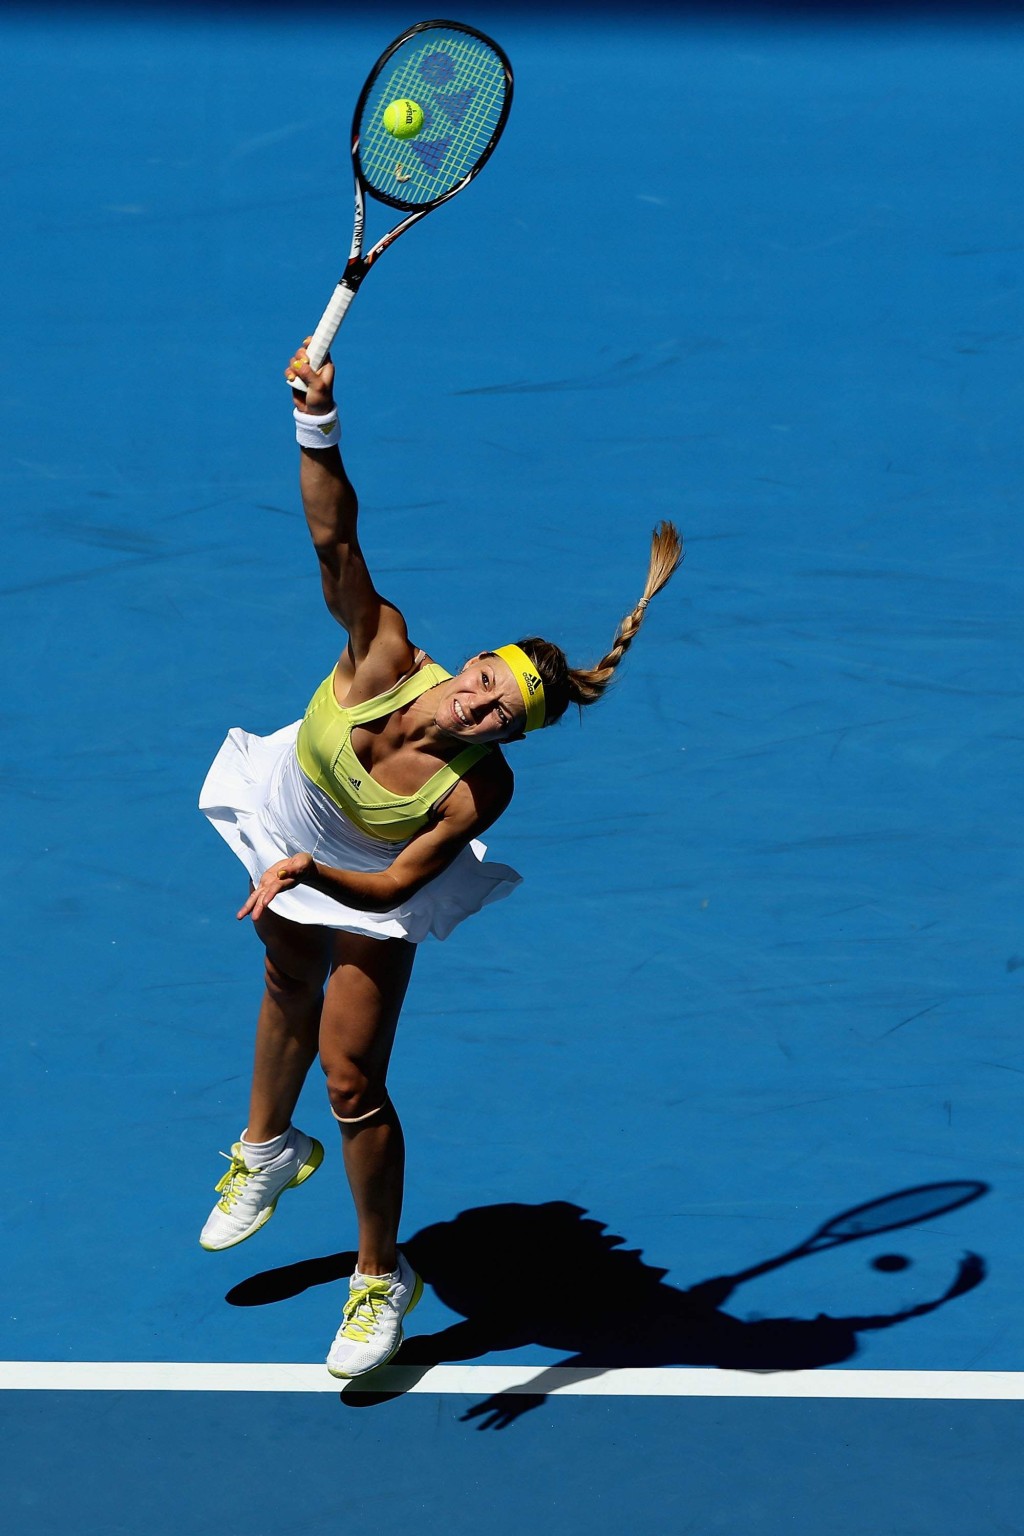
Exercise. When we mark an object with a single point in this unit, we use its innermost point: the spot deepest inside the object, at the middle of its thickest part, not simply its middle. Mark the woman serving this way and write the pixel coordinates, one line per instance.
(358, 826)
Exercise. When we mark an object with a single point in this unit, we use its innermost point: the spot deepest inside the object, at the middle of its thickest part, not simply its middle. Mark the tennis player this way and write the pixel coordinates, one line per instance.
(359, 827)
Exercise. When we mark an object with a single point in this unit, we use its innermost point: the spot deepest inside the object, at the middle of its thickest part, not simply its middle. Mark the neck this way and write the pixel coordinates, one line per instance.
(420, 725)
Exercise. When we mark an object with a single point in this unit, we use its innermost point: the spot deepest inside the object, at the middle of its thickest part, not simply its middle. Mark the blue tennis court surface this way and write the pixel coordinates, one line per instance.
(760, 274)
(267, 1464)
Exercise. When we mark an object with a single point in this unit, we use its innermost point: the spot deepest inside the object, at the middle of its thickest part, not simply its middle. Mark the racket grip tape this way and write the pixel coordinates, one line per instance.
(327, 329)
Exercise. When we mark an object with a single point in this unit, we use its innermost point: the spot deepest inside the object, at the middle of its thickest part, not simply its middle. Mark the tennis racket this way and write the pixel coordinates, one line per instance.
(906, 1208)
(462, 83)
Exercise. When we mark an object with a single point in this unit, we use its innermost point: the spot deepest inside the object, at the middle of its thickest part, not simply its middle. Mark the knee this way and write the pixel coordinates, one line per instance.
(351, 1092)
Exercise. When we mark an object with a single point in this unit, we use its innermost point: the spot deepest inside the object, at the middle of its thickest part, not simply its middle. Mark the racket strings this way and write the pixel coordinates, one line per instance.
(460, 84)
(903, 1209)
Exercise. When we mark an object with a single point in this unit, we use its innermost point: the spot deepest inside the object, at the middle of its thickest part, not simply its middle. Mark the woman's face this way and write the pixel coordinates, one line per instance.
(482, 703)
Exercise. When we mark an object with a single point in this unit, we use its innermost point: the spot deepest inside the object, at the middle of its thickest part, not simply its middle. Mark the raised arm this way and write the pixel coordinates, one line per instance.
(373, 624)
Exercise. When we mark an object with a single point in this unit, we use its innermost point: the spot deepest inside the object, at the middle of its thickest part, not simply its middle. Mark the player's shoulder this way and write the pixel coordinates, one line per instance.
(388, 662)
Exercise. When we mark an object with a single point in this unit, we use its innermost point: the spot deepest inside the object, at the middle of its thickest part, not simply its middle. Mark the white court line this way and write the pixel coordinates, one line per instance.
(484, 1380)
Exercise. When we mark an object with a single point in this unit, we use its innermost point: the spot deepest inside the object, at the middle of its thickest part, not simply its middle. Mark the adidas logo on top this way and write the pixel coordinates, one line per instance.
(532, 682)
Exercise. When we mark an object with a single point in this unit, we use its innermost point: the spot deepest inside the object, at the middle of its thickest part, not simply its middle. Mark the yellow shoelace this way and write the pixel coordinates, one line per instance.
(363, 1311)
(233, 1182)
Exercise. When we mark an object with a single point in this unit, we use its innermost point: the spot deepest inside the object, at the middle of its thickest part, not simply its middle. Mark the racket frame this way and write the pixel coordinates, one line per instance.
(824, 1238)
(359, 263)
(967, 1191)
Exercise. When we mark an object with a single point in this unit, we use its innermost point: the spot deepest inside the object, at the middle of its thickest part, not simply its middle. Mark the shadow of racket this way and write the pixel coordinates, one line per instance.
(906, 1208)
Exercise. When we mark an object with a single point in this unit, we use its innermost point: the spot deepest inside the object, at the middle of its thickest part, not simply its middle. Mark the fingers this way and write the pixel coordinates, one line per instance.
(300, 367)
(263, 895)
(260, 899)
(299, 362)
(284, 876)
(494, 1414)
(292, 869)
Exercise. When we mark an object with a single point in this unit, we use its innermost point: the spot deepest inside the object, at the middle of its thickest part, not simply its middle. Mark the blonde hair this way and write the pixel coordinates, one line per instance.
(565, 685)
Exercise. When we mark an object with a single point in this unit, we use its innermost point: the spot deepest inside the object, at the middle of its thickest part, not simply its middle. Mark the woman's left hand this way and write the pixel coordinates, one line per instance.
(283, 875)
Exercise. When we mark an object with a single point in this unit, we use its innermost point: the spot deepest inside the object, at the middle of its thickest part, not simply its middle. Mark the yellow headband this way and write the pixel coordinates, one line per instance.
(530, 685)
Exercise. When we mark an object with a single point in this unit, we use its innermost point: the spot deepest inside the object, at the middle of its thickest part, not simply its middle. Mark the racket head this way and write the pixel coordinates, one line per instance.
(905, 1208)
(462, 80)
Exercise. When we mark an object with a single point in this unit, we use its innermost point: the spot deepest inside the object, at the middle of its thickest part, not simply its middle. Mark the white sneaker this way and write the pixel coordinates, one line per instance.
(371, 1328)
(248, 1195)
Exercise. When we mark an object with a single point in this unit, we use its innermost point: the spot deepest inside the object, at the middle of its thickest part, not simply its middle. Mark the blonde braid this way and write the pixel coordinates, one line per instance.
(587, 684)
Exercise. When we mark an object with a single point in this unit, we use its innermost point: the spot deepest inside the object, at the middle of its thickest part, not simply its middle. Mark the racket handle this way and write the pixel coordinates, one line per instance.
(330, 323)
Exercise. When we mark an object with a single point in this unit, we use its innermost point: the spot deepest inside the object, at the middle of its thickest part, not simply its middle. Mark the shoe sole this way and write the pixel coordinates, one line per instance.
(309, 1167)
(417, 1292)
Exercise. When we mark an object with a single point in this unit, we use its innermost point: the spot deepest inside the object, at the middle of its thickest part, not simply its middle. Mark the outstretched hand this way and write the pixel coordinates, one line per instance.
(502, 1410)
(318, 398)
(970, 1273)
(283, 875)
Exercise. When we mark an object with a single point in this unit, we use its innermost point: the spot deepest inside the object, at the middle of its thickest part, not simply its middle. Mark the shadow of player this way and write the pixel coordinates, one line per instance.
(551, 1275)
(563, 1282)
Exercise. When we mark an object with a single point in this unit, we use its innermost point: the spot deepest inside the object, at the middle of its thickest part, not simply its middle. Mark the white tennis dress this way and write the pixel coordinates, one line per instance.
(266, 807)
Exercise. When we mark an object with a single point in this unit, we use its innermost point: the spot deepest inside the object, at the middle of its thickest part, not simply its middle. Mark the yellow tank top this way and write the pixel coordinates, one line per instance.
(324, 751)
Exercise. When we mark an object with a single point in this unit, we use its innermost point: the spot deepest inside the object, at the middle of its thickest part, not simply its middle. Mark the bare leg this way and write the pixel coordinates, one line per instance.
(364, 998)
(375, 1166)
(287, 1029)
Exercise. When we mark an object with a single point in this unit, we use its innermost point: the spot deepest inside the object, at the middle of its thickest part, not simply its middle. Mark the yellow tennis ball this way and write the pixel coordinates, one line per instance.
(403, 119)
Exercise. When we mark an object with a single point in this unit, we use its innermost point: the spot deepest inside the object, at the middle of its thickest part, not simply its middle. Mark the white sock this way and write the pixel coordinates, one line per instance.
(260, 1154)
(359, 1279)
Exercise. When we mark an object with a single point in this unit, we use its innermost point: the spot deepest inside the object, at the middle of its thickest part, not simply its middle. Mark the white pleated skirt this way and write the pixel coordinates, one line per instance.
(265, 808)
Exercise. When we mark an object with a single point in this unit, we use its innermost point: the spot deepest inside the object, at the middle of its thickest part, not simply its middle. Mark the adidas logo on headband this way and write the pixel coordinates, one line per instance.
(531, 686)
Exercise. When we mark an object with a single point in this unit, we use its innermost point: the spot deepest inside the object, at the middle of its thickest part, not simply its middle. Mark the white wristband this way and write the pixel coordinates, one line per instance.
(317, 431)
